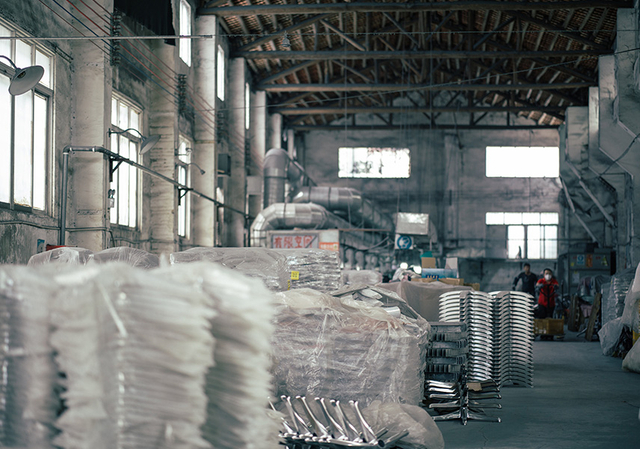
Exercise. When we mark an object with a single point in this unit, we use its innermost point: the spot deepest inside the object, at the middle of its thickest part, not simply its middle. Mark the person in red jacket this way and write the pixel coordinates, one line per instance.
(547, 291)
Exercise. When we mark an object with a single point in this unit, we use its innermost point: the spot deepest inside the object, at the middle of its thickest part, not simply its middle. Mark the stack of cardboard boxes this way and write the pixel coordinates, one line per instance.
(448, 275)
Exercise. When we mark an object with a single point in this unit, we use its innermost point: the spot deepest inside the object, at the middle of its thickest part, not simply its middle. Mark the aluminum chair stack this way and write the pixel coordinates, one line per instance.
(463, 400)
(448, 351)
(513, 338)
(475, 309)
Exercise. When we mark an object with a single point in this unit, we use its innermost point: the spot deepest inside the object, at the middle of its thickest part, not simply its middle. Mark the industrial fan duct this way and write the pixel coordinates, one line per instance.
(313, 207)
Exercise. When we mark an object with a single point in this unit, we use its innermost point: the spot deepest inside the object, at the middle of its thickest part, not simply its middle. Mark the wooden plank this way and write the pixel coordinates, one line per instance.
(595, 310)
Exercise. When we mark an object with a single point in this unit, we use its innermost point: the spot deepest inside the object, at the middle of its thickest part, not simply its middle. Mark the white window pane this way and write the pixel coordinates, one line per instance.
(549, 218)
(5, 140)
(44, 61)
(133, 187)
(182, 178)
(23, 55)
(135, 120)
(515, 232)
(39, 153)
(366, 162)
(531, 218)
(5, 44)
(185, 30)
(220, 73)
(534, 232)
(184, 154)
(534, 242)
(550, 249)
(115, 184)
(123, 116)
(507, 162)
(247, 106)
(114, 112)
(123, 184)
(23, 170)
(551, 232)
(515, 249)
(495, 218)
(513, 218)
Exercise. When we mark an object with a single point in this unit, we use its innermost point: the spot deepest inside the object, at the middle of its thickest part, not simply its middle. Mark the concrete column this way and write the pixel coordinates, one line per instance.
(204, 154)
(258, 136)
(88, 173)
(236, 187)
(274, 133)
(163, 120)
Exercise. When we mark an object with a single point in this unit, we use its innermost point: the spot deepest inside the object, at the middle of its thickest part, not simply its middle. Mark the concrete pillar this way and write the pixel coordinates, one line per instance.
(204, 154)
(163, 120)
(258, 136)
(88, 172)
(235, 195)
(274, 133)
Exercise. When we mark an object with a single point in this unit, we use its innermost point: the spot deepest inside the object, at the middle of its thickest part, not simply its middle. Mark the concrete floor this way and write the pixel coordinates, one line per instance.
(581, 399)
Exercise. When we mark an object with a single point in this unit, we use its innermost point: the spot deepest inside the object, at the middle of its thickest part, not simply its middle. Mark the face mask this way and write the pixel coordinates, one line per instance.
(547, 277)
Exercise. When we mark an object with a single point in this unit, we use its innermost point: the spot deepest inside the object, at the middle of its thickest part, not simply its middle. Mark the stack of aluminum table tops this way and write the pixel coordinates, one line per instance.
(448, 351)
(513, 338)
(475, 309)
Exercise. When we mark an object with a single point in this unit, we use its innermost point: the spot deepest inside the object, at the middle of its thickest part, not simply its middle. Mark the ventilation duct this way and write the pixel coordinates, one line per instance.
(348, 202)
(275, 168)
(303, 216)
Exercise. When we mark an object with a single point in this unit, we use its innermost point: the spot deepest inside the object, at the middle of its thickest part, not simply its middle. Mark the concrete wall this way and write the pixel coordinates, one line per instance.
(448, 182)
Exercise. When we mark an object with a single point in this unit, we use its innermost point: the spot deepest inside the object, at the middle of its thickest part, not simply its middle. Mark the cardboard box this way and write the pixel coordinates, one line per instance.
(417, 279)
(548, 326)
(452, 281)
(475, 286)
(428, 262)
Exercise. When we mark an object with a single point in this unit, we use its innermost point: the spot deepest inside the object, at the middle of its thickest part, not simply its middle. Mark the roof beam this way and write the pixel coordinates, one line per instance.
(343, 35)
(401, 110)
(461, 5)
(266, 39)
(435, 54)
(407, 87)
(420, 126)
(556, 29)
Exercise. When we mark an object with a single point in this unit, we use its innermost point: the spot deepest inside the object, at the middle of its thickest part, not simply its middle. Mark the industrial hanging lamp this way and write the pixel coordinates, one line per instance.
(147, 142)
(24, 79)
(286, 43)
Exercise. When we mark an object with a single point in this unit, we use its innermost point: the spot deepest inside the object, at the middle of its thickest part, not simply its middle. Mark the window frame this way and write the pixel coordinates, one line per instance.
(136, 140)
(510, 221)
(47, 94)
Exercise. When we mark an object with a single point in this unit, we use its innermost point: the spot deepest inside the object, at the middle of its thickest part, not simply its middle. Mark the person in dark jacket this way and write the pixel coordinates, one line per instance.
(547, 291)
(528, 279)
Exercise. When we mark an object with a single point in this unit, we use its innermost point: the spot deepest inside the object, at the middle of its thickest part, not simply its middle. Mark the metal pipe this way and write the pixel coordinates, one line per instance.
(63, 196)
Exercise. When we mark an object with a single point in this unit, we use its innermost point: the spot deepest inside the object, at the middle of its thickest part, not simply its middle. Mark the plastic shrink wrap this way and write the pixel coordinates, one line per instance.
(28, 404)
(358, 277)
(318, 269)
(131, 256)
(261, 263)
(135, 348)
(68, 255)
(631, 312)
(613, 297)
(341, 348)
(239, 383)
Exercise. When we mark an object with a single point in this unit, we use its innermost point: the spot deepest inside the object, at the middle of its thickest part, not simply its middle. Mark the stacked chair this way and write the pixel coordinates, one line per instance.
(448, 351)
(513, 338)
(475, 309)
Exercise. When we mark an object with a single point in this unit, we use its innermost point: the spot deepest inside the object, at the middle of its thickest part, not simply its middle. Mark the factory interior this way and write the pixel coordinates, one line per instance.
(319, 224)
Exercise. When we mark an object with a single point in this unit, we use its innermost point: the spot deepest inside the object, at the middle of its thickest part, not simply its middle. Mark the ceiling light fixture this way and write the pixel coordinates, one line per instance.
(147, 142)
(24, 79)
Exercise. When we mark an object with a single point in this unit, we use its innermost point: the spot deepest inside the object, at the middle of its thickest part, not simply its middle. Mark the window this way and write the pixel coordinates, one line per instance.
(184, 202)
(247, 106)
(530, 235)
(523, 162)
(125, 178)
(220, 73)
(24, 129)
(185, 30)
(374, 162)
